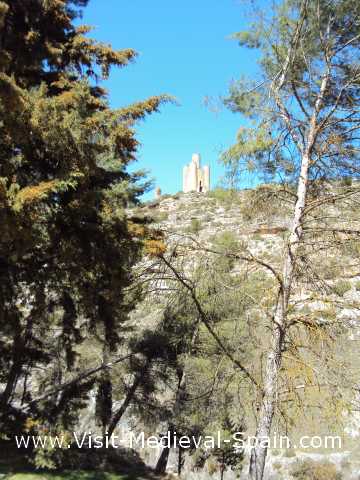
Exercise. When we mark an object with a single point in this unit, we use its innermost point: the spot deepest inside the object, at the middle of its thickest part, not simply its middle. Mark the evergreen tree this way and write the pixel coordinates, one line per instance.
(302, 131)
(200, 320)
(67, 245)
(228, 454)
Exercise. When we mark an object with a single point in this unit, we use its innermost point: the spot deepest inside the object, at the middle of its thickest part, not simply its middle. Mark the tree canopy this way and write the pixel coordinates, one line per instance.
(67, 245)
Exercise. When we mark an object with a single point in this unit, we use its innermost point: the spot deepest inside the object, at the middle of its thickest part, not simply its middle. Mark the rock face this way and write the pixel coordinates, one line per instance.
(203, 216)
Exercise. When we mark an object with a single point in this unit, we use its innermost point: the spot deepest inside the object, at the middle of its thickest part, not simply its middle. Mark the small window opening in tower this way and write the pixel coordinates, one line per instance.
(200, 187)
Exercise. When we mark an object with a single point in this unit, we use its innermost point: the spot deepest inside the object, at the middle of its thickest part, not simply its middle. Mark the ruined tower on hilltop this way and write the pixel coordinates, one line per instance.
(195, 177)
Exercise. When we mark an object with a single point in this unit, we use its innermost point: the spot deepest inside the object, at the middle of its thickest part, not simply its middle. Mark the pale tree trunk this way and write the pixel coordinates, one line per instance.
(274, 358)
(273, 364)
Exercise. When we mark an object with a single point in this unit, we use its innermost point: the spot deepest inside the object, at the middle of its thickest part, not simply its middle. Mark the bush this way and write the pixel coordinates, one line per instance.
(310, 470)
(195, 226)
(151, 203)
(341, 287)
(289, 453)
(346, 182)
(357, 286)
(261, 203)
(226, 242)
(160, 217)
(110, 459)
(223, 196)
(330, 268)
(212, 467)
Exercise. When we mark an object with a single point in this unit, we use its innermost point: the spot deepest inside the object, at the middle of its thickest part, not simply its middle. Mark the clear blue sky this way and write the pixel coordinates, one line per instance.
(184, 50)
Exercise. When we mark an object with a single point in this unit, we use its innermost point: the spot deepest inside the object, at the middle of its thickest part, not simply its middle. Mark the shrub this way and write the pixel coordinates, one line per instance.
(310, 470)
(330, 268)
(212, 467)
(261, 203)
(357, 285)
(160, 217)
(224, 196)
(346, 181)
(85, 458)
(226, 242)
(341, 287)
(151, 203)
(352, 248)
(289, 453)
(195, 226)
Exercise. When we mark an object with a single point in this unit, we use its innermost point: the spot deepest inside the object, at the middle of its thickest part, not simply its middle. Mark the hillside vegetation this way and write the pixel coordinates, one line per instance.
(321, 367)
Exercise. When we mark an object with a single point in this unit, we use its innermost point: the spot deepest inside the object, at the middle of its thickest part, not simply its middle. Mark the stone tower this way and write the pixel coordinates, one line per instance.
(157, 193)
(195, 177)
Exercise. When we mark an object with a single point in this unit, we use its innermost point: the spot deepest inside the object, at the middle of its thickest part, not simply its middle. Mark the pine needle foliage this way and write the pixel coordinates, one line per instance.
(66, 247)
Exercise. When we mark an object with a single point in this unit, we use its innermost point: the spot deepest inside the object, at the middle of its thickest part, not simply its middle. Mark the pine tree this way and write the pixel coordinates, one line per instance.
(67, 245)
(203, 311)
(302, 133)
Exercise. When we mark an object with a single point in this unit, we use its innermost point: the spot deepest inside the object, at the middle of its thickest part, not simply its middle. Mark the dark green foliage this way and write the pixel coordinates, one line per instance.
(104, 401)
(67, 247)
(341, 287)
(264, 145)
(228, 455)
(224, 196)
(195, 226)
(207, 383)
(346, 181)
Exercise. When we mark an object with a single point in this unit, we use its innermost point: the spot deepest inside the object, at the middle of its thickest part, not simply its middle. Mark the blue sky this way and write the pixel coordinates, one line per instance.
(184, 50)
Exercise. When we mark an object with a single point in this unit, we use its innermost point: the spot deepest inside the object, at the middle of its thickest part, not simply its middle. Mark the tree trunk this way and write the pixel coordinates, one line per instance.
(222, 467)
(180, 392)
(11, 383)
(162, 461)
(273, 364)
(180, 461)
(129, 396)
(15, 370)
